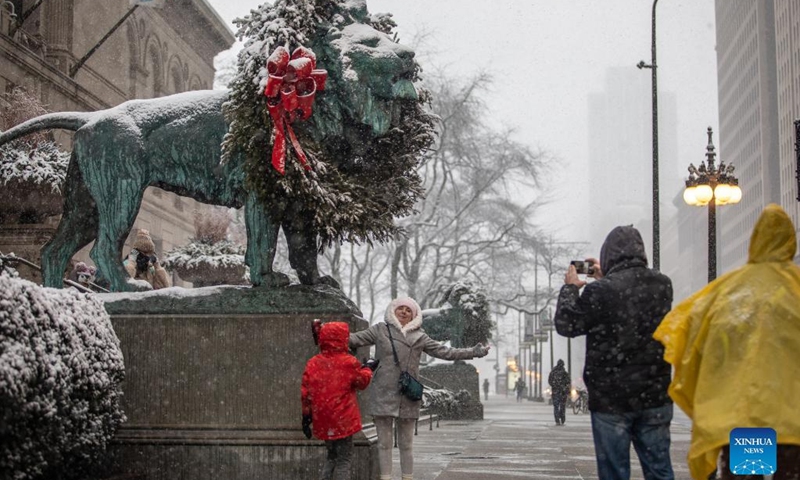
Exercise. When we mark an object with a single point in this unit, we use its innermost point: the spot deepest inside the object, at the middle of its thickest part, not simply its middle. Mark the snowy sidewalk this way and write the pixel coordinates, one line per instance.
(520, 440)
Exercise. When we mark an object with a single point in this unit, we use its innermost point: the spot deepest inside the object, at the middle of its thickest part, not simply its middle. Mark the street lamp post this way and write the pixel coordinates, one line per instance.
(652, 66)
(712, 185)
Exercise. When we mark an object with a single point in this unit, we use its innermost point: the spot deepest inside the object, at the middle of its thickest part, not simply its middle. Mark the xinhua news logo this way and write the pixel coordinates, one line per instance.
(754, 451)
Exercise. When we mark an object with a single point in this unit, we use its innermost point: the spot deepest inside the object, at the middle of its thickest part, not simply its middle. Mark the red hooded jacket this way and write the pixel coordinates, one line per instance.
(330, 381)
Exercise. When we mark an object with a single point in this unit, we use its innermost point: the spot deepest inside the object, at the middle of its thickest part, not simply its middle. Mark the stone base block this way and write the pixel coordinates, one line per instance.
(212, 388)
(174, 454)
(458, 376)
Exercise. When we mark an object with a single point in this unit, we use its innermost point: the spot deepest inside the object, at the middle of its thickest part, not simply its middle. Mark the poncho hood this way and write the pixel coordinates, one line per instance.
(773, 238)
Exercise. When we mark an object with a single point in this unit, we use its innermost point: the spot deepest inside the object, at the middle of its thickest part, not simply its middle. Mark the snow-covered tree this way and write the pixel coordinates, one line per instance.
(472, 225)
(225, 69)
(61, 370)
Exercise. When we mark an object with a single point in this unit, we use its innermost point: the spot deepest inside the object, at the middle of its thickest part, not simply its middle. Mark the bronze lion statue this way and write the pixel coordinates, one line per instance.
(175, 143)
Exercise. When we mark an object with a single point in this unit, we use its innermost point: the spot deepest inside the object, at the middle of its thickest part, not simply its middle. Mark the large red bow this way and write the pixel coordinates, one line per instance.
(291, 87)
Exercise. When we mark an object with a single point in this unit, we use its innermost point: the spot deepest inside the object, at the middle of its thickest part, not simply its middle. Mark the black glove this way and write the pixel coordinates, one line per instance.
(307, 425)
(371, 363)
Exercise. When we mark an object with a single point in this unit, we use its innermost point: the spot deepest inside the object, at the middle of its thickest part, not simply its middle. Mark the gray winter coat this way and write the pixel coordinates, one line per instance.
(410, 341)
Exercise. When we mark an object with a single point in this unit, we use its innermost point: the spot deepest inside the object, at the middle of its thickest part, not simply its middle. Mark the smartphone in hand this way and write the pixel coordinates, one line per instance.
(583, 267)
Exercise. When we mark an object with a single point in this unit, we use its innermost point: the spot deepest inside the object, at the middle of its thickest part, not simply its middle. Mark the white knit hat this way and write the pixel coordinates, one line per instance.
(406, 302)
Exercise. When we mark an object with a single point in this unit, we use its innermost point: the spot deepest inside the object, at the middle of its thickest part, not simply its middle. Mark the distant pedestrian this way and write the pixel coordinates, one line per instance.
(734, 346)
(519, 387)
(328, 395)
(486, 389)
(559, 381)
(625, 374)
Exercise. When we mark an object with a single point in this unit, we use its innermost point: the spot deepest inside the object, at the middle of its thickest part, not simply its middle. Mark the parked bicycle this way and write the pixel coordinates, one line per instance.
(580, 401)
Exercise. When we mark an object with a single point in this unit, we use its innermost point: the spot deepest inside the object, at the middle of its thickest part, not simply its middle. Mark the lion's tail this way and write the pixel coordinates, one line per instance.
(66, 120)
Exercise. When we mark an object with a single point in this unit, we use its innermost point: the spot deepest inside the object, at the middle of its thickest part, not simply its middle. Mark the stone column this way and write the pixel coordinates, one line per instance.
(57, 29)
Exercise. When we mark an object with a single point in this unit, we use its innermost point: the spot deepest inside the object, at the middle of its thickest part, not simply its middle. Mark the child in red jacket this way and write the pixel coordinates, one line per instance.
(328, 394)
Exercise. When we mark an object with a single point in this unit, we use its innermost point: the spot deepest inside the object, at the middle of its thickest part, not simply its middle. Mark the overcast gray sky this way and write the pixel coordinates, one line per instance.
(547, 56)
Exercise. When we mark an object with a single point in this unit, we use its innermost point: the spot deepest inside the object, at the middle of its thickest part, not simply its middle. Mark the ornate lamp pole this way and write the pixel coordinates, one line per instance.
(711, 185)
(652, 66)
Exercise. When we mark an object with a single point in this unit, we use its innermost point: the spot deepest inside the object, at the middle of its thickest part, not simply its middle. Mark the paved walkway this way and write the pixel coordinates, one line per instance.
(520, 440)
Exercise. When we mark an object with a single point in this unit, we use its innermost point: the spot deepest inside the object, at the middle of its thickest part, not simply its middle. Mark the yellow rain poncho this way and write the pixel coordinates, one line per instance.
(735, 347)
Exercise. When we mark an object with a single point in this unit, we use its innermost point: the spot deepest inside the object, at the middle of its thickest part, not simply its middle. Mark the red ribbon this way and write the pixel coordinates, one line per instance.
(292, 85)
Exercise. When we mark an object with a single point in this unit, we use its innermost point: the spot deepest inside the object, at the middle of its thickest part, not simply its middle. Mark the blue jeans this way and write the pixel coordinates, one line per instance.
(649, 432)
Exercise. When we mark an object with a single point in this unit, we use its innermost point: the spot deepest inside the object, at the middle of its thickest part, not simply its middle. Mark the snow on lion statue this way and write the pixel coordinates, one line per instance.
(363, 143)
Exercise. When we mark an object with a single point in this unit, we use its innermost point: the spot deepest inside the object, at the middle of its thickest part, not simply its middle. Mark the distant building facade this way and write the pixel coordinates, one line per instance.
(758, 67)
(621, 153)
(154, 52)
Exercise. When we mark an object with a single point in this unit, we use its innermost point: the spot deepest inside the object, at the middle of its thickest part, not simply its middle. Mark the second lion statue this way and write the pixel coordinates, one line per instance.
(174, 143)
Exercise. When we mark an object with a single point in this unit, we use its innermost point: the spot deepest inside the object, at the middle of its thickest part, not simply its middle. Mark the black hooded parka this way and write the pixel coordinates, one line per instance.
(625, 370)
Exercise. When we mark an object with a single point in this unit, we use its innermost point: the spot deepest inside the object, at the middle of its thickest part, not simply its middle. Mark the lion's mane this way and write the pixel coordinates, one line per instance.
(359, 182)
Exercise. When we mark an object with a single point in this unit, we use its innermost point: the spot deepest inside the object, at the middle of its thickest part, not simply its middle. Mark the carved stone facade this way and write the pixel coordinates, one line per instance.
(154, 52)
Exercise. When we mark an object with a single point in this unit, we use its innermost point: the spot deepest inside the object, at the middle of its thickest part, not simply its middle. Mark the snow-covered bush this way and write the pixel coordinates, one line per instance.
(41, 164)
(36, 159)
(32, 170)
(210, 228)
(443, 401)
(209, 258)
(471, 301)
(61, 371)
(6, 268)
(197, 254)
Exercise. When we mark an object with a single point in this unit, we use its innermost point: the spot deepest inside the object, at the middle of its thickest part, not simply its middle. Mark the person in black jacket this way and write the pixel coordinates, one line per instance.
(625, 373)
(559, 381)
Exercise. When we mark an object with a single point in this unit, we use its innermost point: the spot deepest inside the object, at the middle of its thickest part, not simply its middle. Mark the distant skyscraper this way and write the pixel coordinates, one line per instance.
(759, 80)
(621, 153)
(787, 52)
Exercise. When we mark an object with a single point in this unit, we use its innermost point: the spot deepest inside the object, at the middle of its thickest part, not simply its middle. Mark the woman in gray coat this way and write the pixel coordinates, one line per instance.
(386, 404)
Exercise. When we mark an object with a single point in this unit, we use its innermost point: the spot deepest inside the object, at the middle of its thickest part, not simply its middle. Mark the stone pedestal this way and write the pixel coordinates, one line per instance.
(212, 387)
(209, 274)
(458, 376)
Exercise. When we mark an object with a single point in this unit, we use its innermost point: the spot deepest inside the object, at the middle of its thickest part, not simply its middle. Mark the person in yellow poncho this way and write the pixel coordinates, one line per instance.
(735, 349)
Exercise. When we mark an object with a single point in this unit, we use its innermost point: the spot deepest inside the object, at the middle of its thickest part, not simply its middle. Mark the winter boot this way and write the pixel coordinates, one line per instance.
(407, 476)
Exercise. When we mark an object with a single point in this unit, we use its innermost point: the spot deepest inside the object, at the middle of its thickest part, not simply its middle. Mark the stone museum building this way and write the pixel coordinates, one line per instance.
(86, 55)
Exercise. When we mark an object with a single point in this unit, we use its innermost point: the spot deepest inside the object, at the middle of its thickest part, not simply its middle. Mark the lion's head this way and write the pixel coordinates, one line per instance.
(371, 74)
(368, 126)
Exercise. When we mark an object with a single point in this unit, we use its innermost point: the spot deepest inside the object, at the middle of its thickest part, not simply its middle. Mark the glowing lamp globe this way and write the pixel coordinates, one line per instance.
(703, 194)
(722, 193)
(688, 196)
(736, 194)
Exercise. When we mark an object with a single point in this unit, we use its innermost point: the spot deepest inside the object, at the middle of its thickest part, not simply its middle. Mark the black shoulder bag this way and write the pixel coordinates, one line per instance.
(408, 385)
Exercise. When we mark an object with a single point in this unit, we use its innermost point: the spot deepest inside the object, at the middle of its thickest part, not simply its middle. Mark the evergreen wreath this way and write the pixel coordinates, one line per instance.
(358, 183)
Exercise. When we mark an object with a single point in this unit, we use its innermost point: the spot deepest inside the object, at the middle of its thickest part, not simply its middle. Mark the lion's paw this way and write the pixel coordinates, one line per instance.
(275, 280)
(329, 281)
